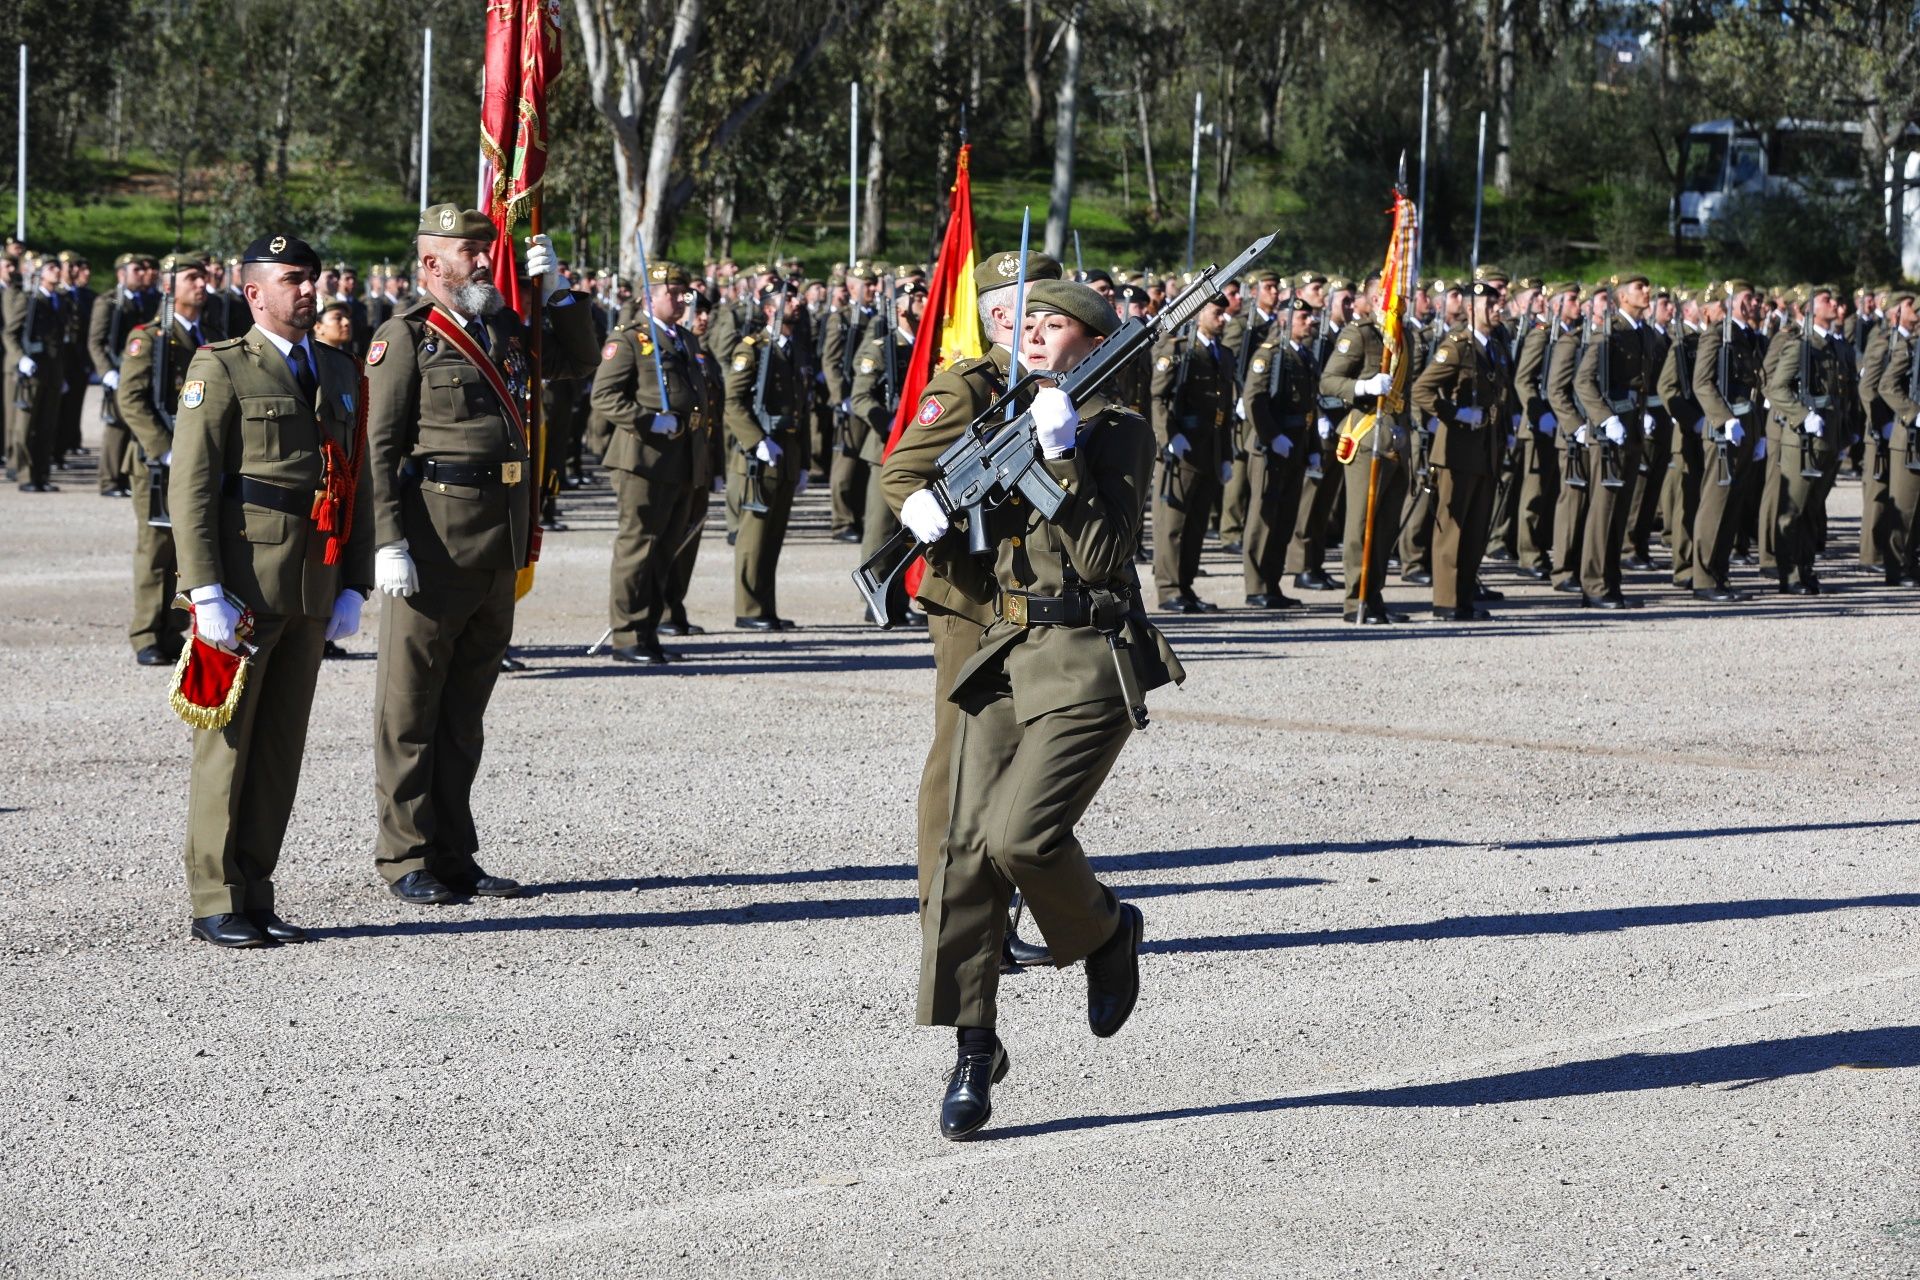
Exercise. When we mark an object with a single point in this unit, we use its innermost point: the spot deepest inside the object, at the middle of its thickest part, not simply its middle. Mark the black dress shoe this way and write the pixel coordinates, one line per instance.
(1314, 580)
(757, 624)
(1380, 616)
(1179, 604)
(1570, 586)
(1487, 595)
(276, 928)
(1500, 555)
(1719, 593)
(332, 650)
(847, 535)
(1113, 974)
(481, 885)
(643, 653)
(968, 1102)
(1746, 558)
(1461, 613)
(733, 537)
(153, 656)
(1639, 560)
(1800, 588)
(1021, 954)
(510, 663)
(1417, 578)
(228, 930)
(1534, 572)
(1201, 606)
(1234, 548)
(1611, 600)
(678, 625)
(421, 888)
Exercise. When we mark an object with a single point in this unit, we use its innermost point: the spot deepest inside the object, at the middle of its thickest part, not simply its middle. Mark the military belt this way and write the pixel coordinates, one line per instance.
(258, 493)
(1075, 609)
(471, 475)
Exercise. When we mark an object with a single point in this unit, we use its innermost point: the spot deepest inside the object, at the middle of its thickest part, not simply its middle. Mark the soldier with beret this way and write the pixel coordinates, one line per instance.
(113, 318)
(1355, 373)
(956, 592)
(877, 374)
(149, 392)
(77, 302)
(1282, 391)
(706, 446)
(1729, 382)
(651, 457)
(447, 384)
(1617, 373)
(847, 332)
(1540, 348)
(766, 403)
(1046, 706)
(1814, 389)
(275, 548)
(1244, 334)
(35, 325)
(1194, 383)
(1321, 487)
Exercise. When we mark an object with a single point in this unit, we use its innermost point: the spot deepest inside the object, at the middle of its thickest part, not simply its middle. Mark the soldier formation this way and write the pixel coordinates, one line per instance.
(297, 443)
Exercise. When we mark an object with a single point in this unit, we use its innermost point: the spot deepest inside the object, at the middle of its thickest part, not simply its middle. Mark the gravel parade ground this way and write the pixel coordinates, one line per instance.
(1563, 945)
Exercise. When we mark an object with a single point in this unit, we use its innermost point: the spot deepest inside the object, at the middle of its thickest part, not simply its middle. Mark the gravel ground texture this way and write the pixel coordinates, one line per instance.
(1562, 945)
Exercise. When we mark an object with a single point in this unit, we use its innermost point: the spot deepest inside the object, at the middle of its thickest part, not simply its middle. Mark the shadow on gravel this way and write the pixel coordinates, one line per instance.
(1534, 924)
(748, 913)
(1734, 1065)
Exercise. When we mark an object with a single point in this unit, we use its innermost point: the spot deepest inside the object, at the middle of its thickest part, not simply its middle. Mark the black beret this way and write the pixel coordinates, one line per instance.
(287, 250)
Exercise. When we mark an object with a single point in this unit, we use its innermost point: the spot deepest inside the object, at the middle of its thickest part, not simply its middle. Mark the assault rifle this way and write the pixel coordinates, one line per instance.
(993, 460)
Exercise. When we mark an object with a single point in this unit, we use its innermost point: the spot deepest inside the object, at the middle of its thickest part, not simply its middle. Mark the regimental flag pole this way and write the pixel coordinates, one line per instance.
(853, 179)
(20, 162)
(426, 111)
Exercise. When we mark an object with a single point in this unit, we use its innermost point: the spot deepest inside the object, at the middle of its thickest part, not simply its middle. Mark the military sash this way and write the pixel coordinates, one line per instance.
(462, 341)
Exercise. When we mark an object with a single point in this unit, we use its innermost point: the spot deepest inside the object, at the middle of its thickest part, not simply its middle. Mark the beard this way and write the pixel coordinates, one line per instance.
(476, 297)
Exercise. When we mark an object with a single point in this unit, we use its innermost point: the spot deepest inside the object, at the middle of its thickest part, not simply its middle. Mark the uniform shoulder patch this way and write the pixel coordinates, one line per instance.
(1344, 345)
(866, 364)
(740, 362)
(646, 346)
(192, 394)
(1164, 363)
(1440, 356)
(930, 411)
(136, 345)
(376, 353)
(606, 352)
(1259, 365)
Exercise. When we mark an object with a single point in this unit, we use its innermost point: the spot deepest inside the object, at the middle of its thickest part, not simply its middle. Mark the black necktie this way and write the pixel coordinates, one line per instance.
(303, 371)
(193, 333)
(479, 332)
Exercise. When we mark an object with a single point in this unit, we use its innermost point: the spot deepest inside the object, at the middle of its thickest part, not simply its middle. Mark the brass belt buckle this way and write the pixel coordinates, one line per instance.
(510, 473)
(1014, 609)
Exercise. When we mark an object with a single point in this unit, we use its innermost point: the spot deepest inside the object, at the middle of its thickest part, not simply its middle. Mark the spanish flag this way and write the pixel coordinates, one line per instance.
(950, 325)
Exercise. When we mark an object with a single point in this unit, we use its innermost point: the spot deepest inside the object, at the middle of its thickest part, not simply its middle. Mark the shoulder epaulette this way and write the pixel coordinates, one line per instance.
(227, 344)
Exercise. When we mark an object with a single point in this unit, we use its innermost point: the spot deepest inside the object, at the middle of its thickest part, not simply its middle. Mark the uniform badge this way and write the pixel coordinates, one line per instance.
(739, 363)
(446, 219)
(1440, 356)
(346, 402)
(930, 412)
(866, 364)
(429, 347)
(1164, 363)
(192, 394)
(135, 347)
(277, 245)
(606, 352)
(1259, 366)
(1344, 345)
(646, 347)
(376, 353)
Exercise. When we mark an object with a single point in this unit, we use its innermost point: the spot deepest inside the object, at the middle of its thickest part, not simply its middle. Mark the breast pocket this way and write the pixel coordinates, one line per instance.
(274, 429)
(452, 393)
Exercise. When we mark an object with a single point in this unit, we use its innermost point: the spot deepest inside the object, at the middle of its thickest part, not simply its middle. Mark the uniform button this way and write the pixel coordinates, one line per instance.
(1015, 540)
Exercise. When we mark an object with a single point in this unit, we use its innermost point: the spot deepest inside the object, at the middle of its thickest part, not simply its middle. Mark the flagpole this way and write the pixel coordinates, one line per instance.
(1193, 183)
(20, 164)
(853, 179)
(1019, 307)
(426, 110)
(1479, 190)
(1420, 231)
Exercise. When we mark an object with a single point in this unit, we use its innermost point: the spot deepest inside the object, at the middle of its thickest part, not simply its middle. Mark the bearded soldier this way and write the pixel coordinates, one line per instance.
(447, 380)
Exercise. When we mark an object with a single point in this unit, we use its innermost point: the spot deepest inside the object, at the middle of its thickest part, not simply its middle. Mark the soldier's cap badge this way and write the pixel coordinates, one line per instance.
(278, 244)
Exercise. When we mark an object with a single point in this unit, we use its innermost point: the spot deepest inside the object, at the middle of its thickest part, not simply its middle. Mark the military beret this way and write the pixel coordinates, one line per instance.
(1002, 269)
(125, 260)
(1629, 277)
(1268, 276)
(1892, 297)
(670, 274)
(758, 269)
(1558, 287)
(1525, 283)
(335, 304)
(908, 270)
(1813, 290)
(863, 271)
(148, 260)
(1306, 278)
(68, 257)
(1075, 300)
(1131, 293)
(1491, 273)
(1297, 304)
(1487, 288)
(910, 289)
(1339, 284)
(287, 250)
(772, 290)
(453, 221)
(181, 260)
(1732, 287)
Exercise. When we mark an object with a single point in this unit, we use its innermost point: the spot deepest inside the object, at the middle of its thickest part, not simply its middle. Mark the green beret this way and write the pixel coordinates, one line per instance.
(1488, 273)
(1732, 287)
(1557, 287)
(456, 223)
(863, 271)
(1074, 300)
(1003, 269)
(181, 260)
(1814, 289)
(1308, 278)
(1893, 297)
(1630, 277)
(336, 304)
(670, 274)
(125, 260)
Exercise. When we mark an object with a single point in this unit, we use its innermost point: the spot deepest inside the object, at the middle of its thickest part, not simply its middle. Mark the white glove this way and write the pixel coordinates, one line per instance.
(214, 617)
(1616, 430)
(1469, 415)
(393, 570)
(1815, 425)
(165, 459)
(767, 451)
(1378, 385)
(800, 484)
(1325, 427)
(543, 264)
(1432, 425)
(1283, 446)
(110, 379)
(923, 517)
(346, 616)
(1226, 472)
(1734, 431)
(1647, 424)
(1240, 410)
(664, 424)
(27, 366)
(1760, 449)
(1548, 423)
(1177, 446)
(1055, 423)
(1580, 435)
